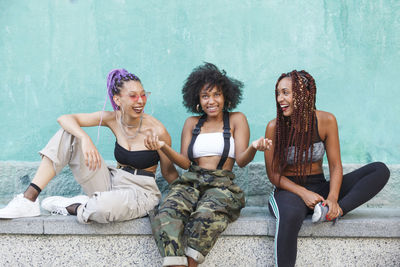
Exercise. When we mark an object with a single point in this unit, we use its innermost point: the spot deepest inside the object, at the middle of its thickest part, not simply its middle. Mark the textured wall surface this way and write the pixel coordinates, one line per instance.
(55, 56)
(16, 176)
(120, 250)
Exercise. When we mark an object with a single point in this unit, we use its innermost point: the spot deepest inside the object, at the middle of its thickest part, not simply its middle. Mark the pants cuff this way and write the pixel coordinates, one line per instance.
(194, 254)
(79, 215)
(175, 260)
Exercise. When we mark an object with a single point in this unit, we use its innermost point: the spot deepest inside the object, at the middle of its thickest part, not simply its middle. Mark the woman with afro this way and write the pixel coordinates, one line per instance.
(202, 201)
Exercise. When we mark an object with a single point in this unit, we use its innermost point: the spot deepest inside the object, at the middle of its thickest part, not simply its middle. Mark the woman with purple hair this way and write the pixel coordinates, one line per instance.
(113, 194)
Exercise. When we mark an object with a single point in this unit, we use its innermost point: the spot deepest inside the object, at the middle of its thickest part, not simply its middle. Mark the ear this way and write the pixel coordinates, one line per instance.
(117, 100)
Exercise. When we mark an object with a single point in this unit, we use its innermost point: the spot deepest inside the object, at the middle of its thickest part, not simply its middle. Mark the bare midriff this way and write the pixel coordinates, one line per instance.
(151, 169)
(211, 163)
(316, 168)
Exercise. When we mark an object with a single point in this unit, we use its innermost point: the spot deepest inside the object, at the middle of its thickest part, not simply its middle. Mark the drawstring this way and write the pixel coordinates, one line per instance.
(101, 120)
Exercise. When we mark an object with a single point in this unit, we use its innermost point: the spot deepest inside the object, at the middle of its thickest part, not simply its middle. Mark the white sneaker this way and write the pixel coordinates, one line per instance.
(57, 204)
(20, 207)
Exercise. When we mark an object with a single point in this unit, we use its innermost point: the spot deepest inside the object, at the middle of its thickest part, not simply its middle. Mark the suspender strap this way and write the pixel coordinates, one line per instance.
(195, 133)
(226, 134)
(227, 143)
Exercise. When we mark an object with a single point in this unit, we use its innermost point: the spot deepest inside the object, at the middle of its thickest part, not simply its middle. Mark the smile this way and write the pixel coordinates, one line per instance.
(212, 109)
(284, 107)
(138, 109)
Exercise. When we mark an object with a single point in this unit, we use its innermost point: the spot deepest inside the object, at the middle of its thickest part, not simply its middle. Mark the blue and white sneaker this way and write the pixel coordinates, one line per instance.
(319, 213)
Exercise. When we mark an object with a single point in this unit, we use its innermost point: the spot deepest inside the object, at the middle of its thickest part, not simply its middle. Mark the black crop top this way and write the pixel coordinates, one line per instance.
(137, 159)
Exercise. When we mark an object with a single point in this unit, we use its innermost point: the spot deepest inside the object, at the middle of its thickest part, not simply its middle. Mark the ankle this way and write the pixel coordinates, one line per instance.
(32, 192)
(30, 197)
(73, 208)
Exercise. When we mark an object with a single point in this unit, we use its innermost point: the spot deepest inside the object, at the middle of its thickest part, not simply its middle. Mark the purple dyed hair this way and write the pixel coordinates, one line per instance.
(115, 80)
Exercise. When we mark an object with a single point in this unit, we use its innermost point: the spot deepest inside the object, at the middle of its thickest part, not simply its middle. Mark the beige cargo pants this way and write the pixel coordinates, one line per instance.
(115, 195)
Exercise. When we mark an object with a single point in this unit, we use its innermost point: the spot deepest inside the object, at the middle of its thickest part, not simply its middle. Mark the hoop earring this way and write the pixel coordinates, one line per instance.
(198, 108)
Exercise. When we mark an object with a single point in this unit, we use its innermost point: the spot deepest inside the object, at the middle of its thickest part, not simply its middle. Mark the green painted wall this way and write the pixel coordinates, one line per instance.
(55, 55)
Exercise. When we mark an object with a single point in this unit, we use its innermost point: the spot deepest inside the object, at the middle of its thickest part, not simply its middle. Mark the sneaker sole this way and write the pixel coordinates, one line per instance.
(317, 214)
(16, 216)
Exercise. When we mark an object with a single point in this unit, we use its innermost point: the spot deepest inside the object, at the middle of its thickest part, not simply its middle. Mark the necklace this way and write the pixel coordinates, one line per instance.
(122, 124)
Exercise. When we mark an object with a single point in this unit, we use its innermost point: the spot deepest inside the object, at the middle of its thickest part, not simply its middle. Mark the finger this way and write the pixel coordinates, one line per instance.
(268, 143)
(154, 141)
(98, 157)
(330, 213)
(157, 142)
(92, 161)
(86, 156)
(149, 142)
(89, 161)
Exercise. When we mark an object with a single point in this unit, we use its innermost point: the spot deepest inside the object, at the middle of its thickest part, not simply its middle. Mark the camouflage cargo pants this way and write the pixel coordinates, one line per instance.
(197, 209)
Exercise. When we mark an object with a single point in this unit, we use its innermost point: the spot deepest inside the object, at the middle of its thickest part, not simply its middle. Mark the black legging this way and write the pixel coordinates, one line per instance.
(289, 209)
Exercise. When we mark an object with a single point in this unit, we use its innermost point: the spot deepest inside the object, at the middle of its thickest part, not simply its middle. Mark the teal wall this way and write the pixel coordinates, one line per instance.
(55, 55)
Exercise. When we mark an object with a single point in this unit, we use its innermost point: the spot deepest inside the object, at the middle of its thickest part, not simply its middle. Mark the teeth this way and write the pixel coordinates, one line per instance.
(284, 106)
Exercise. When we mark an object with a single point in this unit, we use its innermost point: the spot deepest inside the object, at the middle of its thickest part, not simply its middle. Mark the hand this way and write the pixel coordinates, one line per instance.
(91, 155)
(334, 209)
(262, 144)
(311, 199)
(152, 142)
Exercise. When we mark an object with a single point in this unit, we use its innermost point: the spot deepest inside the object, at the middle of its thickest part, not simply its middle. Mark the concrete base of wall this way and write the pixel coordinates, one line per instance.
(123, 250)
(368, 236)
(365, 237)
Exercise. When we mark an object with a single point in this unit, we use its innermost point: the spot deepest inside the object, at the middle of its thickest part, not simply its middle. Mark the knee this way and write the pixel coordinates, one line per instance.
(291, 217)
(383, 170)
(208, 219)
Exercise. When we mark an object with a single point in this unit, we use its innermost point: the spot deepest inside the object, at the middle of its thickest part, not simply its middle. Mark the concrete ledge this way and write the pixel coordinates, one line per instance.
(368, 236)
(364, 222)
(364, 237)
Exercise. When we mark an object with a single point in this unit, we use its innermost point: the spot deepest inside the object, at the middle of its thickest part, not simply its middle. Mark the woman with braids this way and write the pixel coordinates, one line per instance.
(202, 201)
(113, 194)
(300, 135)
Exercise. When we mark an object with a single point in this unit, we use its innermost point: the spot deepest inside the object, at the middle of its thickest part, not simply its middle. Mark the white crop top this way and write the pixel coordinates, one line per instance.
(212, 144)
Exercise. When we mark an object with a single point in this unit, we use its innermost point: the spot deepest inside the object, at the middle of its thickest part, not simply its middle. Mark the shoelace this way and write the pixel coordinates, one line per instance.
(60, 211)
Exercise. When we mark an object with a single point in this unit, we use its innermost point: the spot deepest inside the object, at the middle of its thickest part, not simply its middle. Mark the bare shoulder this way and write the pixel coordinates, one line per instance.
(271, 124)
(191, 121)
(270, 129)
(156, 125)
(237, 118)
(325, 118)
(327, 125)
(106, 116)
